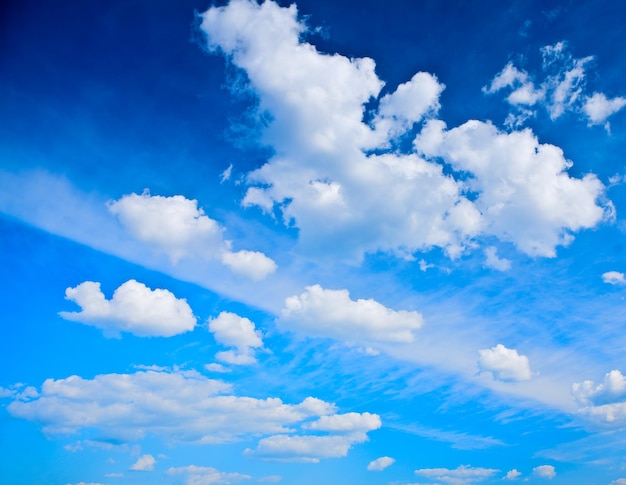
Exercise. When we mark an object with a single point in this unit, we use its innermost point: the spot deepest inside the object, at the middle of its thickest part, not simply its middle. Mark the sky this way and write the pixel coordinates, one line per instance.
(344, 242)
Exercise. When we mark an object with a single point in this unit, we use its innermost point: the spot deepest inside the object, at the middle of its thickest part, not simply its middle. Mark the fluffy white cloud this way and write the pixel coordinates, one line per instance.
(177, 227)
(512, 475)
(134, 308)
(544, 471)
(505, 364)
(524, 91)
(598, 107)
(614, 278)
(380, 464)
(459, 476)
(493, 261)
(530, 200)
(319, 312)
(604, 403)
(178, 406)
(144, 463)
(202, 475)
(346, 423)
(231, 330)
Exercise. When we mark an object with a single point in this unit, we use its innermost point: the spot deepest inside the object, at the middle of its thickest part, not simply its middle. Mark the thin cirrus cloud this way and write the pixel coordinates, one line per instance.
(320, 312)
(177, 227)
(505, 364)
(133, 308)
(337, 194)
(185, 406)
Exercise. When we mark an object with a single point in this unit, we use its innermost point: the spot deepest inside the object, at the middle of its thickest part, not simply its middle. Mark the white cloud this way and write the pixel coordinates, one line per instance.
(619, 481)
(319, 312)
(144, 463)
(231, 330)
(512, 475)
(524, 91)
(614, 278)
(531, 200)
(346, 423)
(177, 227)
(214, 367)
(179, 406)
(134, 308)
(544, 471)
(505, 364)
(202, 475)
(462, 475)
(380, 464)
(598, 108)
(493, 261)
(604, 403)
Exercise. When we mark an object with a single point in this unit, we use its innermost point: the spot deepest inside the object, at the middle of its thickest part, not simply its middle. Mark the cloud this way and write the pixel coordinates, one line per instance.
(505, 364)
(177, 227)
(605, 403)
(144, 463)
(134, 308)
(614, 278)
(380, 464)
(202, 475)
(181, 406)
(231, 330)
(531, 200)
(619, 481)
(598, 108)
(524, 91)
(512, 475)
(319, 312)
(459, 476)
(493, 261)
(544, 471)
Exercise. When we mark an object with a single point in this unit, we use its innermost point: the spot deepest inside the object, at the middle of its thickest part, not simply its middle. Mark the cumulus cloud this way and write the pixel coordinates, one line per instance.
(505, 364)
(319, 312)
(544, 471)
(231, 330)
(512, 475)
(604, 403)
(179, 406)
(598, 107)
(144, 463)
(177, 227)
(462, 475)
(380, 464)
(134, 308)
(531, 200)
(614, 278)
(202, 475)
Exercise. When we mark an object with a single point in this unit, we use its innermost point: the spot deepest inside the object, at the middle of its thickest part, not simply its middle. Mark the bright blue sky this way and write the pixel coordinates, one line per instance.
(344, 242)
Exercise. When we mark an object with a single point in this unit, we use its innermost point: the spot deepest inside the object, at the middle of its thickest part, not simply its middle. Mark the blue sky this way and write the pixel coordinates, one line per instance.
(352, 242)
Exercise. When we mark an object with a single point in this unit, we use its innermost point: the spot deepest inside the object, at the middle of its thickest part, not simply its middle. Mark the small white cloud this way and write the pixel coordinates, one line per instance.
(346, 423)
(332, 314)
(512, 475)
(614, 278)
(544, 471)
(145, 463)
(226, 174)
(505, 364)
(619, 481)
(231, 330)
(380, 464)
(253, 264)
(134, 308)
(604, 403)
(463, 475)
(202, 475)
(214, 367)
(424, 266)
(598, 107)
(493, 261)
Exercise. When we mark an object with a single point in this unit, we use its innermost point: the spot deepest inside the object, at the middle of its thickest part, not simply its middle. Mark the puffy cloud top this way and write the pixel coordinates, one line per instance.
(505, 364)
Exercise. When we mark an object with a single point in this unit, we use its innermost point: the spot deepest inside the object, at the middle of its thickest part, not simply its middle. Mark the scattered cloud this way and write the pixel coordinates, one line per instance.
(544, 471)
(177, 227)
(505, 364)
(380, 464)
(598, 107)
(493, 261)
(463, 475)
(603, 403)
(231, 330)
(319, 312)
(177, 405)
(144, 463)
(512, 475)
(134, 308)
(614, 278)
(202, 475)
